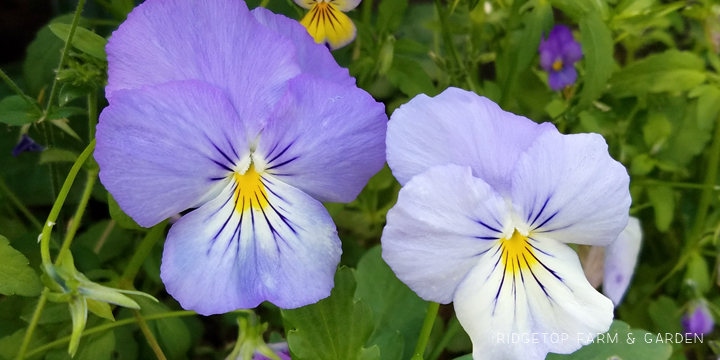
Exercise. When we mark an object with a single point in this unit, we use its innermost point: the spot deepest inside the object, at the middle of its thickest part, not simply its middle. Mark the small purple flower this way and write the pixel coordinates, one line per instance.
(699, 320)
(26, 144)
(280, 349)
(558, 55)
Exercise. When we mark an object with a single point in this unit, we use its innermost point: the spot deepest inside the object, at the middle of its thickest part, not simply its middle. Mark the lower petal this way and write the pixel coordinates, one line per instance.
(259, 240)
(620, 259)
(528, 299)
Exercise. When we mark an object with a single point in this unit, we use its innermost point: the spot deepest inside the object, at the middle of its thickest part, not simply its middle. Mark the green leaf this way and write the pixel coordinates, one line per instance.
(83, 39)
(390, 15)
(395, 308)
(16, 276)
(122, 219)
(697, 272)
(101, 309)
(335, 328)
(57, 155)
(172, 333)
(597, 47)
(14, 110)
(665, 315)
(10, 345)
(663, 202)
(65, 112)
(620, 342)
(97, 347)
(410, 77)
(708, 105)
(576, 9)
(556, 107)
(657, 129)
(669, 71)
(62, 124)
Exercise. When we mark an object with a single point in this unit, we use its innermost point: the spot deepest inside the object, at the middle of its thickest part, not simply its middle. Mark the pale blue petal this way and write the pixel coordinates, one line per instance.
(568, 188)
(313, 58)
(216, 41)
(163, 149)
(324, 139)
(620, 259)
(458, 127)
(218, 259)
(444, 220)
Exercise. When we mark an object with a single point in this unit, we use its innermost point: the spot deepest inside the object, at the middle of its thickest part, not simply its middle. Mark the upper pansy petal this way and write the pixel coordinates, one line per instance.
(324, 139)
(305, 4)
(535, 293)
(620, 259)
(462, 128)
(569, 188)
(259, 240)
(219, 42)
(166, 148)
(345, 5)
(444, 220)
(312, 58)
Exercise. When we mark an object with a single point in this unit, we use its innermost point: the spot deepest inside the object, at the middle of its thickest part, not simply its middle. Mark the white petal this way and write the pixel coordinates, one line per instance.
(620, 259)
(443, 221)
(544, 305)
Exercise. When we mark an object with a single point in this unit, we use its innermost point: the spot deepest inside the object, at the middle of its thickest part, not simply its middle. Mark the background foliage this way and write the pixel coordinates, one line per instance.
(649, 83)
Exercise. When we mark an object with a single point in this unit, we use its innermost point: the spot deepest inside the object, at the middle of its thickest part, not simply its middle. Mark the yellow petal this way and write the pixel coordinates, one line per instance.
(328, 25)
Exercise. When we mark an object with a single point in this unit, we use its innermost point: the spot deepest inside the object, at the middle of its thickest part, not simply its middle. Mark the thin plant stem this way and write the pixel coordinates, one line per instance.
(707, 194)
(75, 223)
(108, 326)
(679, 185)
(14, 199)
(103, 238)
(142, 252)
(452, 329)
(64, 57)
(16, 89)
(450, 45)
(264, 3)
(148, 335)
(45, 241)
(425, 331)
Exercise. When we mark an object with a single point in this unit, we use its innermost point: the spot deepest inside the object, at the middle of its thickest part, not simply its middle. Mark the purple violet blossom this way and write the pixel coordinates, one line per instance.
(242, 117)
(280, 349)
(26, 144)
(699, 320)
(558, 55)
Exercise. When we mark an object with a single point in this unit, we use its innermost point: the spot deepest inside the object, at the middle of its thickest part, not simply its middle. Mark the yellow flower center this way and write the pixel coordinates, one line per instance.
(250, 191)
(557, 65)
(517, 253)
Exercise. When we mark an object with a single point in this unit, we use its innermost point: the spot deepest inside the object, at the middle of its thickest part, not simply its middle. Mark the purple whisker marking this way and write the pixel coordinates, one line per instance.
(556, 229)
(541, 211)
(536, 279)
(538, 249)
(218, 178)
(221, 164)
(238, 230)
(282, 152)
(551, 271)
(282, 163)
(546, 220)
(272, 228)
(232, 147)
(498, 260)
(497, 295)
(270, 189)
(482, 252)
(232, 212)
(223, 205)
(276, 174)
(487, 238)
(281, 216)
(487, 226)
(222, 153)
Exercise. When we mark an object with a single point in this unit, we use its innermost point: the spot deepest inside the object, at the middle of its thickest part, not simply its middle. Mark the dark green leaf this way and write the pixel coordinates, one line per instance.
(623, 348)
(57, 155)
(669, 71)
(697, 273)
(171, 333)
(10, 345)
(83, 39)
(65, 112)
(16, 276)
(390, 15)
(335, 328)
(597, 46)
(14, 110)
(663, 201)
(410, 77)
(394, 306)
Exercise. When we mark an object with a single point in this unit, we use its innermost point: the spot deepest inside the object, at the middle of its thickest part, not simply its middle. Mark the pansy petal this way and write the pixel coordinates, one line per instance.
(328, 25)
(163, 149)
(313, 58)
(569, 188)
(620, 259)
(219, 42)
(558, 80)
(521, 302)
(324, 139)
(458, 127)
(345, 5)
(260, 239)
(444, 220)
(305, 4)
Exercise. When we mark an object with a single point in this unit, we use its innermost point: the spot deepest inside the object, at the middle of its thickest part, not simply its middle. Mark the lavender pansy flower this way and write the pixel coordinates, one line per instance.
(698, 320)
(620, 259)
(558, 55)
(26, 144)
(281, 350)
(242, 117)
(489, 203)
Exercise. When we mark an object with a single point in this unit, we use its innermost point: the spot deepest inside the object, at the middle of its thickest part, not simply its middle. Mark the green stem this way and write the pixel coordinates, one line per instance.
(108, 326)
(92, 114)
(33, 325)
(679, 185)
(449, 334)
(707, 194)
(76, 219)
(450, 45)
(264, 3)
(425, 331)
(63, 58)
(142, 252)
(11, 84)
(148, 335)
(14, 199)
(55, 211)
